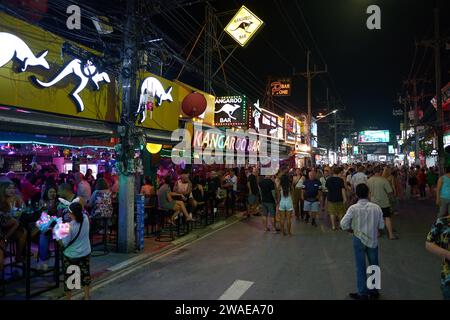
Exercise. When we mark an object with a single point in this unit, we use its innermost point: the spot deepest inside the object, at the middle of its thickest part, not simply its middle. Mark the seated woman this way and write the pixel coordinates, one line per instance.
(148, 190)
(49, 204)
(10, 227)
(198, 194)
(166, 201)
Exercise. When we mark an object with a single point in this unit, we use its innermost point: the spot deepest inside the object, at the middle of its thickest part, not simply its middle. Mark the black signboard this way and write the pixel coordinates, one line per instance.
(231, 111)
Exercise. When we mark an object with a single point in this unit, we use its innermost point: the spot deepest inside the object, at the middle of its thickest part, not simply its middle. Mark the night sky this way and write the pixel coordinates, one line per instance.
(367, 67)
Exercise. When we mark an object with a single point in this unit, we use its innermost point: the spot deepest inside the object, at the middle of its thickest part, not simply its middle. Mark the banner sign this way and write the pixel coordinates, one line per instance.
(231, 111)
(263, 119)
(292, 129)
(445, 98)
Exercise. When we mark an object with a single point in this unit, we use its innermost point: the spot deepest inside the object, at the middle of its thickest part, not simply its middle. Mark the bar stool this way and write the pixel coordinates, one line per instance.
(150, 211)
(166, 231)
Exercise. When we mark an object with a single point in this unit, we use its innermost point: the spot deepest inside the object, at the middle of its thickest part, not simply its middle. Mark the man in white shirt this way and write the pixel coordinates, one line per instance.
(364, 219)
(83, 188)
(359, 178)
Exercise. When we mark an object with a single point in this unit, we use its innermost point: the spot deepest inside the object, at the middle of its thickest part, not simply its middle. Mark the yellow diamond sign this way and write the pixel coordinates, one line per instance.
(243, 26)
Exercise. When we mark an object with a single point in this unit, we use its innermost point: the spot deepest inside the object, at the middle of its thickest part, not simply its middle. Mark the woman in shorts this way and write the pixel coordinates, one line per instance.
(286, 207)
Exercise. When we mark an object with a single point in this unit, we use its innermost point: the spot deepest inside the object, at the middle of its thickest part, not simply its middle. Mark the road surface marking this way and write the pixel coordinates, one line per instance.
(123, 273)
(237, 290)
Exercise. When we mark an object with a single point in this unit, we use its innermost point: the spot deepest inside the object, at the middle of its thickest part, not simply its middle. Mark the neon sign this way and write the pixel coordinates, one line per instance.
(151, 89)
(14, 47)
(231, 111)
(219, 141)
(84, 71)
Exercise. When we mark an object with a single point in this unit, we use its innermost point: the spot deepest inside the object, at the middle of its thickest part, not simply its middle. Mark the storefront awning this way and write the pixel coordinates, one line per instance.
(17, 120)
(65, 142)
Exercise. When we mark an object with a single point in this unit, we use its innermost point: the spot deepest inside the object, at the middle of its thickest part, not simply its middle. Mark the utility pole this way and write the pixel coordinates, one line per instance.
(405, 129)
(415, 100)
(309, 75)
(436, 44)
(126, 233)
(335, 131)
(440, 112)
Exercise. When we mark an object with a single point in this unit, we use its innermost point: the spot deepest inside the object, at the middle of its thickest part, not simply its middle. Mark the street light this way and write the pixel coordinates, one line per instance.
(320, 117)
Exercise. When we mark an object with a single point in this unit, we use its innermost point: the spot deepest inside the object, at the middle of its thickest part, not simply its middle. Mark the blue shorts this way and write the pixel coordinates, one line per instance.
(286, 205)
(311, 206)
(269, 209)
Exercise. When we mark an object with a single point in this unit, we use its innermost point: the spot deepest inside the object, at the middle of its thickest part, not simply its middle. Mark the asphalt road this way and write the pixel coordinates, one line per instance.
(314, 264)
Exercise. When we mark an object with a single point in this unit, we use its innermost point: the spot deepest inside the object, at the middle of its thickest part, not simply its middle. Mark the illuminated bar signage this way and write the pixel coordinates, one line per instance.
(231, 112)
(281, 88)
(292, 129)
(220, 141)
(244, 25)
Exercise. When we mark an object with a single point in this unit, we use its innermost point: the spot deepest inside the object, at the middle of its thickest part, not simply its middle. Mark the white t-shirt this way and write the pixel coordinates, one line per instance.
(359, 178)
(234, 182)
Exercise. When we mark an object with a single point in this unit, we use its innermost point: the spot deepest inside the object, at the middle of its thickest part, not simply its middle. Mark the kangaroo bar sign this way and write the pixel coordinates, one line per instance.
(231, 112)
(244, 25)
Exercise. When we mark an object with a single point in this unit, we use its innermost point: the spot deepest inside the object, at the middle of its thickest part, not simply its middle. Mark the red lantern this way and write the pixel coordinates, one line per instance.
(194, 105)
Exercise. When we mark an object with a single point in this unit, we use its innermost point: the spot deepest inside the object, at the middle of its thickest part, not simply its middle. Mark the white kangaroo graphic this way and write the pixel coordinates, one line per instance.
(229, 109)
(12, 46)
(85, 72)
(257, 115)
(153, 87)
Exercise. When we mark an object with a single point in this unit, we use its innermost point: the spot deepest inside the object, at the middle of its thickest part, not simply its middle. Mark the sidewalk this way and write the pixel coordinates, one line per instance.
(105, 267)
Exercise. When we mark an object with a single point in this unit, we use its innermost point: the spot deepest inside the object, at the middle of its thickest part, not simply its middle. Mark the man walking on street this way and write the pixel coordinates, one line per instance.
(268, 196)
(380, 191)
(311, 196)
(364, 219)
(336, 197)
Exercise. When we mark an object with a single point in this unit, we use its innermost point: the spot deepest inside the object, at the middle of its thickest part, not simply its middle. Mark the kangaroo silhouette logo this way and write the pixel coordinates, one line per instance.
(257, 115)
(153, 87)
(14, 47)
(84, 71)
(229, 109)
(244, 26)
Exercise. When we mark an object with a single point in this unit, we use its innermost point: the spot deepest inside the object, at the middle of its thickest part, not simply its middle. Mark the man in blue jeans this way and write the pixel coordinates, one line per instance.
(364, 220)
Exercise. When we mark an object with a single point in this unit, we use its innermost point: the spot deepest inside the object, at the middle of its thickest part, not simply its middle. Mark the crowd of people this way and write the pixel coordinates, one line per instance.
(70, 197)
(362, 198)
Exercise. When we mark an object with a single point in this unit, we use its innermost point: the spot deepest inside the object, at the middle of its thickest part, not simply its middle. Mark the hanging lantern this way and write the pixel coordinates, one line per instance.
(153, 148)
(194, 105)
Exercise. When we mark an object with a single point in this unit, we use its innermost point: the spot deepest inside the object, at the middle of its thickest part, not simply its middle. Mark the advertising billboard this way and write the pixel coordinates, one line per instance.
(292, 129)
(262, 119)
(376, 136)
